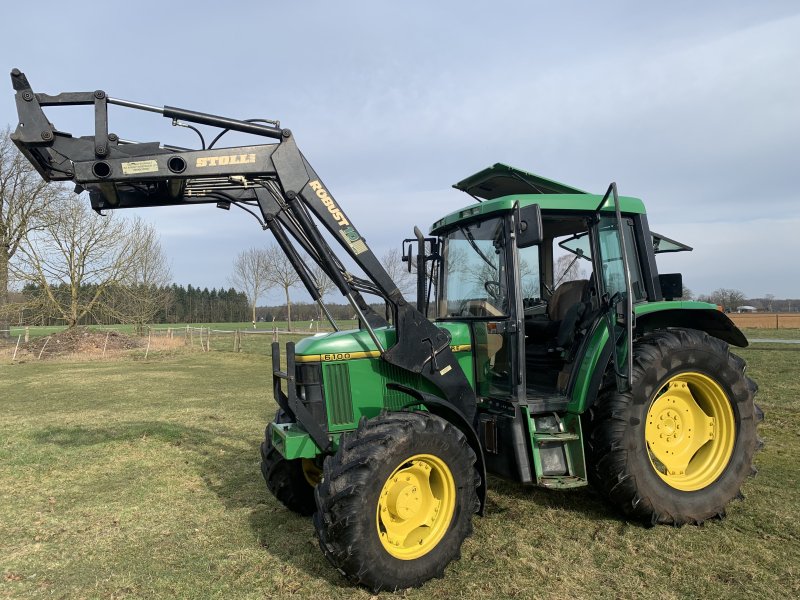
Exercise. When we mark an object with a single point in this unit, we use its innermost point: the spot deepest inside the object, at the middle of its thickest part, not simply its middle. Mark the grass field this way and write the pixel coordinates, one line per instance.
(134, 478)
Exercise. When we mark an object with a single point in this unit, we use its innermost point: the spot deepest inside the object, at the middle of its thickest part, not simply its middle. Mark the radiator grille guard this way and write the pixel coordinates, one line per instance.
(303, 400)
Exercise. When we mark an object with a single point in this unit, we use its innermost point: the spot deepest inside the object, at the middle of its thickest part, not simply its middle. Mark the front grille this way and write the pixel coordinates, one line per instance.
(340, 402)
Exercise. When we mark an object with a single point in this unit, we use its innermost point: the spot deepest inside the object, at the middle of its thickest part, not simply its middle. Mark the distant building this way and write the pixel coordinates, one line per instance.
(746, 309)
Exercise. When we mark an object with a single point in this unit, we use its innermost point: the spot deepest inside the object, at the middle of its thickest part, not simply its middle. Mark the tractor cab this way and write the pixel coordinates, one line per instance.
(533, 300)
(543, 275)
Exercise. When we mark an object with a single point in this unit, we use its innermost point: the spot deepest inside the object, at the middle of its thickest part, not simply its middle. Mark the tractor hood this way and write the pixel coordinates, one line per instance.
(354, 343)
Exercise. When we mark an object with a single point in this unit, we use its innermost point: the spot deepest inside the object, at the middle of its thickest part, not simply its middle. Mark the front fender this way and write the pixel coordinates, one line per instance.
(451, 414)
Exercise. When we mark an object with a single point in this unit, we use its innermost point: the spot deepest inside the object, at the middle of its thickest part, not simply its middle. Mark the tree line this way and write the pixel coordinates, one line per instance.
(176, 304)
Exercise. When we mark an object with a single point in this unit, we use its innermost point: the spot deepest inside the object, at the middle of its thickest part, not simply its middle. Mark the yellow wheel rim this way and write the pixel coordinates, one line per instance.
(416, 506)
(311, 472)
(690, 431)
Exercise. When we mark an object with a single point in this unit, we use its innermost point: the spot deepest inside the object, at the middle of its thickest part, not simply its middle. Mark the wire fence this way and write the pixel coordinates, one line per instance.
(253, 341)
(766, 320)
(106, 342)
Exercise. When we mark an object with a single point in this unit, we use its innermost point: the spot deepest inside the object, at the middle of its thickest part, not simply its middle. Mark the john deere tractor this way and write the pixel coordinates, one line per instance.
(543, 346)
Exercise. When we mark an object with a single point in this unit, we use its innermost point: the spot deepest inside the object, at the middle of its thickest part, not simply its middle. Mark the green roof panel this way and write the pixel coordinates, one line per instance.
(502, 180)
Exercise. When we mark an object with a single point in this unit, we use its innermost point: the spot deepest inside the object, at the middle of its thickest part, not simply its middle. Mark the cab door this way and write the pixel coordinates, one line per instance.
(612, 269)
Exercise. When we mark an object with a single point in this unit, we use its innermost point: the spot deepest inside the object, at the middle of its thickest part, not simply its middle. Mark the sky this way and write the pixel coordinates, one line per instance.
(693, 107)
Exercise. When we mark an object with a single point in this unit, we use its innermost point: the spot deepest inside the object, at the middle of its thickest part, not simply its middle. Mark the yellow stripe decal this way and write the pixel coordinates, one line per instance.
(337, 356)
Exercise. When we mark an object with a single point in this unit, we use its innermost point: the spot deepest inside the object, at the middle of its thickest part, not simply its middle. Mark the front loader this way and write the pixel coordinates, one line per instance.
(543, 347)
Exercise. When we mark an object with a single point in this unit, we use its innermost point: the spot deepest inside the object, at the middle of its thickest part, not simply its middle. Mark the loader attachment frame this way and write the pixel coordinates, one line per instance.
(273, 178)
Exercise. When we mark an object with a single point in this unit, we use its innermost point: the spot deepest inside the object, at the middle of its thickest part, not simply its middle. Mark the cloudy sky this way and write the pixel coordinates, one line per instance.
(694, 107)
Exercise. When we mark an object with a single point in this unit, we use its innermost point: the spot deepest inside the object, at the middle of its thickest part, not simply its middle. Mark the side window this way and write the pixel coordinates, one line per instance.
(613, 267)
(637, 285)
(530, 280)
(571, 258)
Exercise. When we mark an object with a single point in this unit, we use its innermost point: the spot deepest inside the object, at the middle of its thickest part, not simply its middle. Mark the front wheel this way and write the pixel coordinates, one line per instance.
(678, 446)
(396, 500)
(292, 482)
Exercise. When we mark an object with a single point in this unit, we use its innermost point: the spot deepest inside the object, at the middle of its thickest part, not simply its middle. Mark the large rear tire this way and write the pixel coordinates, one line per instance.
(678, 446)
(292, 482)
(396, 501)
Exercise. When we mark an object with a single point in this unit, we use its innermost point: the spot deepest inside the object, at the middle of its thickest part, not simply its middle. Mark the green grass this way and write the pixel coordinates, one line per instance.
(783, 334)
(140, 479)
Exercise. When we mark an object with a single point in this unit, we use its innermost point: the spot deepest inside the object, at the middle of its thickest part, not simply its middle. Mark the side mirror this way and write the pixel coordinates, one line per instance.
(671, 285)
(529, 226)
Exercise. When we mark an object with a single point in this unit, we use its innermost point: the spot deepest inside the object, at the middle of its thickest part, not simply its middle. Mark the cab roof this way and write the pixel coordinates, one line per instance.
(502, 186)
(503, 180)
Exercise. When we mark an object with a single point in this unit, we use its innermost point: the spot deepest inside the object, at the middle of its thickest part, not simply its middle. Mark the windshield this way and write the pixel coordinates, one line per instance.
(474, 271)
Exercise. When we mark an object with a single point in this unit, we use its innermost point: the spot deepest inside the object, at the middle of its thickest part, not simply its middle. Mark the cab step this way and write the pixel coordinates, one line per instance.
(561, 482)
(557, 443)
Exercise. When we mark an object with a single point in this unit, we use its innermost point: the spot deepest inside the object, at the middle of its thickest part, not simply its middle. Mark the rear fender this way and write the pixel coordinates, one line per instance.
(714, 322)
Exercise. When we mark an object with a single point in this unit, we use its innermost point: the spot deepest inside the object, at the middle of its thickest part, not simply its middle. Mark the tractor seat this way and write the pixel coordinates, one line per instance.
(566, 296)
(544, 332)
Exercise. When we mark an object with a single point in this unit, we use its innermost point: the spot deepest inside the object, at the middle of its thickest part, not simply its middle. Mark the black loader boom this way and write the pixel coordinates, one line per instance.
(273, 178)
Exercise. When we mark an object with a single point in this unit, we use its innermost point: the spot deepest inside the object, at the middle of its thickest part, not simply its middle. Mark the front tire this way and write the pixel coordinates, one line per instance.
(396, 501)
(292, 482)
(678, 446)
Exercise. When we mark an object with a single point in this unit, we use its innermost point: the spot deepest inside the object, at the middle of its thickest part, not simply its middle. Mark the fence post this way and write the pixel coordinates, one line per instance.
(191, 336)
(776, 321)
(27, 334)
(47, 341)
(208, 341)
(149, 335)
(106, 344)
(13, 358)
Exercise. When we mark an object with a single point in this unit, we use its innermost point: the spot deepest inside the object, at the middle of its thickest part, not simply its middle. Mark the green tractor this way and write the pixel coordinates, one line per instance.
(592, 374)
(543, 347)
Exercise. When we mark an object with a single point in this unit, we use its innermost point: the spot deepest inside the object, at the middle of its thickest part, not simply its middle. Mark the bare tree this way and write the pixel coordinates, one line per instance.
(392, 261)
(567, 269)
(324, 283)
(24, 201)
(251, 275)
(281, 273)
(768, 300)
(144, 286)
(727, 298)
(77, 259)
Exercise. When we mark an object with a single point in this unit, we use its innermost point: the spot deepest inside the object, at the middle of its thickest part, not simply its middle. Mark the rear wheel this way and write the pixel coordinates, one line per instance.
(677, 447)
(396, 501)
(290, 481)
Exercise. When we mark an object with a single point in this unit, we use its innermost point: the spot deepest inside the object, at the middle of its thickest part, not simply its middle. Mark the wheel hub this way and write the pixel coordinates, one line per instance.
(682, 431)
(416, 506)
(404, 499)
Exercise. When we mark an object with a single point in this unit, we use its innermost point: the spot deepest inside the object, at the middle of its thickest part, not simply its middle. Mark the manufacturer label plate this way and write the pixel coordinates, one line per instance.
(140, 166)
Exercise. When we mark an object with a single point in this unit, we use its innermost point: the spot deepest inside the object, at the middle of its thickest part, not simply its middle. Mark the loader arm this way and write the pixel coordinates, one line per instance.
(272, 177)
